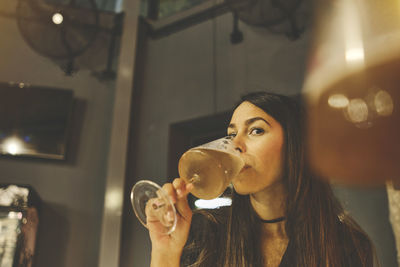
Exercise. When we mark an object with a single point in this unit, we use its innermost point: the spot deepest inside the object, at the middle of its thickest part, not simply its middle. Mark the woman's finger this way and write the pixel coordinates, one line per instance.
(178, 191)
(179, 185)
(182, 188)
(182, 205)
(170, 191)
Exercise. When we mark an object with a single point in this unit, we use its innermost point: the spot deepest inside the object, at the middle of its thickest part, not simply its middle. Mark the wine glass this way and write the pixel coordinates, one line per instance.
(351, 91)
(209, 167)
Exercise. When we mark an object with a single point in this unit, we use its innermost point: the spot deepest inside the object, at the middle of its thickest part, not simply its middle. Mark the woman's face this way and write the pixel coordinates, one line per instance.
(260, 140)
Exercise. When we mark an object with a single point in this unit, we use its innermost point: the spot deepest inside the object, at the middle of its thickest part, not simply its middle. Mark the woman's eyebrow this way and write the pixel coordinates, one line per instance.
(248, 122)
(231, 126)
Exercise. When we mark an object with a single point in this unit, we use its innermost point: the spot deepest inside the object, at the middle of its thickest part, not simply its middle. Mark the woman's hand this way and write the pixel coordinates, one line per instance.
(168, 248)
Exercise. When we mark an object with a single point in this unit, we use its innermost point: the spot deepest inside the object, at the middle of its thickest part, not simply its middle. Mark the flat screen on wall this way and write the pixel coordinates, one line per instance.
(34, 121)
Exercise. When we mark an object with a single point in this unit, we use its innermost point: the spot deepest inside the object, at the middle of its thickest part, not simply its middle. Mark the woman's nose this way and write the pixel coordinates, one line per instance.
(239, 144)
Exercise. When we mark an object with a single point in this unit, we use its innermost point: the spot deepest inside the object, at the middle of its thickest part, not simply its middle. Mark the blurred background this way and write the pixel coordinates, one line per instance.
(123, 89)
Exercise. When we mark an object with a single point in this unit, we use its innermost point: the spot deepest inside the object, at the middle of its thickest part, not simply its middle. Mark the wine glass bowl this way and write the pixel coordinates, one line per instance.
(209, 167)
(351, 91)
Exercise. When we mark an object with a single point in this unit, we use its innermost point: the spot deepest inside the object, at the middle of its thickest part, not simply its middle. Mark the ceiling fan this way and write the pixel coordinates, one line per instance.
(61, 31)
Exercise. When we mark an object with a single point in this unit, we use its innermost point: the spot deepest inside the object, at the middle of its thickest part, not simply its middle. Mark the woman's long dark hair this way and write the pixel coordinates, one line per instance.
(320, 232)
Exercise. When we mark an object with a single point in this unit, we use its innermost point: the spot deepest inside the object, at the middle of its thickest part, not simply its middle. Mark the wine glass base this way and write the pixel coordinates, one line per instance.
(153, 207)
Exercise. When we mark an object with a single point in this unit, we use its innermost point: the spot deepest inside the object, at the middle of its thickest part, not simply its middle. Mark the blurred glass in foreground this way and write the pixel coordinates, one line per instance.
(352, 93)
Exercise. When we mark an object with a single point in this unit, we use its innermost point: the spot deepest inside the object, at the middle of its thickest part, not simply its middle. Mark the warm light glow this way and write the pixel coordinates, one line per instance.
(15, 215)
(355, 55)
(114, 200)
(357, 110)
(338, 101)
(57, 18)
(13, 145)
(383, 103)
(353, 35)
(213, 203)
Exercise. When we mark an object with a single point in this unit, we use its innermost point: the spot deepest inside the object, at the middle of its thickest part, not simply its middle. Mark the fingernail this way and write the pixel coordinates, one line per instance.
(158, 204)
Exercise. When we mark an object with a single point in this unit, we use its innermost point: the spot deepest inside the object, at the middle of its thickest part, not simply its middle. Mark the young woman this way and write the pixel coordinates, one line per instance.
(281, 214)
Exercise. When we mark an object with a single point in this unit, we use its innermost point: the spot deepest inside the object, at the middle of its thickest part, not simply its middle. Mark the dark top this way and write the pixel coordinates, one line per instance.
(347, 248)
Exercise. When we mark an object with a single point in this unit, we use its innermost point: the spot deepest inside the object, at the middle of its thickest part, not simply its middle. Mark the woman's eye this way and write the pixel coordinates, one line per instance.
(256, 131)
(232, 134)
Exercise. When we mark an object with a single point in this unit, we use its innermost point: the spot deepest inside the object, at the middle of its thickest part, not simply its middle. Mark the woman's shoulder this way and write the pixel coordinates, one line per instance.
(205, 232)
(350, 231)
(207, 221)
(206, 224)
(211, 216)
(356, 244)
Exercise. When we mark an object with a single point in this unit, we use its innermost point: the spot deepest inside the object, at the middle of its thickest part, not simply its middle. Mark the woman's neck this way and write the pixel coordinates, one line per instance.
(269, 204)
